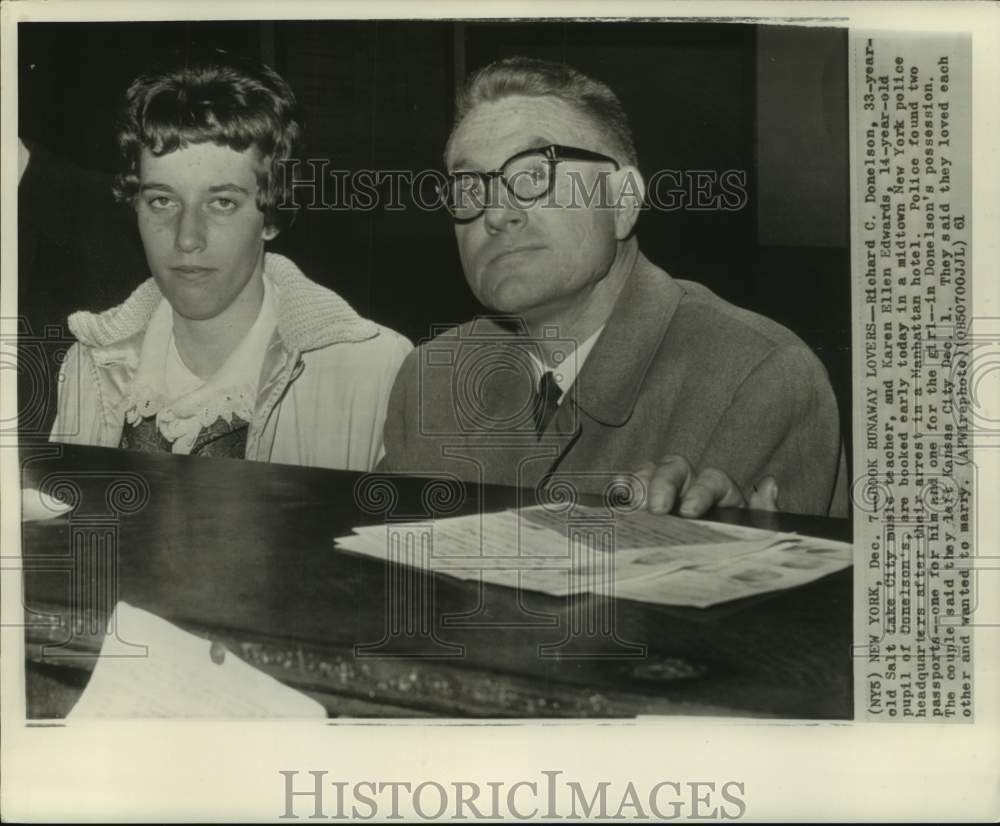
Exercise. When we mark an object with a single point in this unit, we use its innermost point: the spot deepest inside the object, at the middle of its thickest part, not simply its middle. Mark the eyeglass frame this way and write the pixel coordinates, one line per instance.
(553, 153)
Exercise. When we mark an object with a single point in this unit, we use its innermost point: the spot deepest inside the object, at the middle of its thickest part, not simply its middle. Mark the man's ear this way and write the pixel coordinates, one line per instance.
(269, 233)
(628, 189)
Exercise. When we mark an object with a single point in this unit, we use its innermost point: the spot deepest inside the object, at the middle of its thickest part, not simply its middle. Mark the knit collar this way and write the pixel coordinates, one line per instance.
(309, 316)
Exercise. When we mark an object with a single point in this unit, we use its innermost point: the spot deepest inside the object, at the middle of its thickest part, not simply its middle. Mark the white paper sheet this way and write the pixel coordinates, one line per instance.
(791, 562)
(177, 677)
(658, 559)
(36, 506)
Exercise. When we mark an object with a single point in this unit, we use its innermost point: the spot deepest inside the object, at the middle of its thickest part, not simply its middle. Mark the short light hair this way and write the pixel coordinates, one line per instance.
(531, 77)
(209, 96)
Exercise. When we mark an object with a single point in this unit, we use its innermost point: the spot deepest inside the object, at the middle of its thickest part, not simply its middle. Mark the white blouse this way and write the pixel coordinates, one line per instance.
(182, 402)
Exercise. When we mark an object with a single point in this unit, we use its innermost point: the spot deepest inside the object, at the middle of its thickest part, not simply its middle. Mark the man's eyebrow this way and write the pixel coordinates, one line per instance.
(537, 142)
(534, 142)
(155, 185)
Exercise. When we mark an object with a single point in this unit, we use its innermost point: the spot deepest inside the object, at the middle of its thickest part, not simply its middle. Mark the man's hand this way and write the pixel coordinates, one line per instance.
(674, 483)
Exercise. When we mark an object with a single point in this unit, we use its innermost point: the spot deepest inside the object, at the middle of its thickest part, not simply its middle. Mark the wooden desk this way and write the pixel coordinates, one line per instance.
(243, 552)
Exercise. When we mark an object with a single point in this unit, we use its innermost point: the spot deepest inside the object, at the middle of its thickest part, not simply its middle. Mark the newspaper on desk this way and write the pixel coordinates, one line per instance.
(656, 559)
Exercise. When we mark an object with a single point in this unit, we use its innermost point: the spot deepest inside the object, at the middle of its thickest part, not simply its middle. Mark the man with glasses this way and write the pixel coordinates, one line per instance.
(598, 363)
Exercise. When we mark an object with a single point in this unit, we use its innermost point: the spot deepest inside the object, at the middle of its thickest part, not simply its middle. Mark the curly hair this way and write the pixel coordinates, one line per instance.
(213, 97)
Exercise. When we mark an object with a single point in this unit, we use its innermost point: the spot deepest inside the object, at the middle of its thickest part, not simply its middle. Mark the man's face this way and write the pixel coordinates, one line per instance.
(200, 226)
(534, 259)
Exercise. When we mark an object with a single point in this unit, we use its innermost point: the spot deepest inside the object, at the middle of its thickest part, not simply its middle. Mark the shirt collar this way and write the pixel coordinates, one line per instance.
(568, 369)
(242, 367)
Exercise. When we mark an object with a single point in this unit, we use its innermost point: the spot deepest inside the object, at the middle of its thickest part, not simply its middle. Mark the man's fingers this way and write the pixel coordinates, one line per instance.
(765, 495)
(711, 487)
(637, 483)
(671, 480)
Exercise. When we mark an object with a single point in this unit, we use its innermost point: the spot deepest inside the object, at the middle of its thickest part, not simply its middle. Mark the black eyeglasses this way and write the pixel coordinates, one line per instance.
(528, 176)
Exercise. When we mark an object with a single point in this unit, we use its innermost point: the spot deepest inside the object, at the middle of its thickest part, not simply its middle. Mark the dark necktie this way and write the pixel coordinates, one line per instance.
(547, 402)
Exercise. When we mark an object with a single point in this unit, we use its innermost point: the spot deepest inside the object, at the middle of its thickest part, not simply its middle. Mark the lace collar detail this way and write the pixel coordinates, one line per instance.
(229, 394)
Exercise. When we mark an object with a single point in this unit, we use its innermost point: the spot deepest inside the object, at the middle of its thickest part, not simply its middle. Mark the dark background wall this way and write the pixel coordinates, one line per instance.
(771, 102)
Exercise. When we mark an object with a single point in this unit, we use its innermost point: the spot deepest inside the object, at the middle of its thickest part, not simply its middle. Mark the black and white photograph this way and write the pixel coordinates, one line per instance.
(602, 385)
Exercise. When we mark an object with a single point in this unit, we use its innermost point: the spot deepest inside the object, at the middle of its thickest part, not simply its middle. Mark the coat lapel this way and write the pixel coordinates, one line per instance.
(605, 390)
(610, 380)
